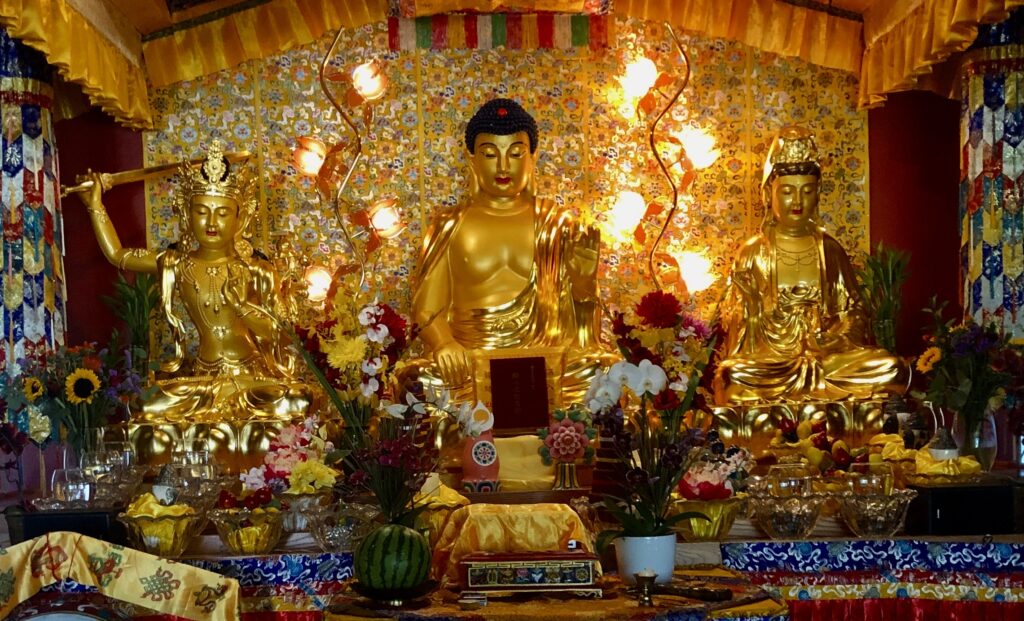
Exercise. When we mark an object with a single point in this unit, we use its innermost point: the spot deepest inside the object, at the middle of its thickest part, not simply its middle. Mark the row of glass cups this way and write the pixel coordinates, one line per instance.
(788, 501)
(104, 478)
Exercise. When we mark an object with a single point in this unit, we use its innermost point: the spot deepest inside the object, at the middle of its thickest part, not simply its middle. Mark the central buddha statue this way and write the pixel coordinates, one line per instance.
(507, 270)
(795, 328)
(245, 369)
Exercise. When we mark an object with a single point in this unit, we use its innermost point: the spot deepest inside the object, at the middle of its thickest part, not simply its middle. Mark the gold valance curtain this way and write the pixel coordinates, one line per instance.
(768, 25)
(929, 32)
(81, 55)
(254, 33)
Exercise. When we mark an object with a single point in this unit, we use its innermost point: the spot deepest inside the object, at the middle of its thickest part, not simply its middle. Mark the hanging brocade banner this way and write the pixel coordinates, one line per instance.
(32, 255)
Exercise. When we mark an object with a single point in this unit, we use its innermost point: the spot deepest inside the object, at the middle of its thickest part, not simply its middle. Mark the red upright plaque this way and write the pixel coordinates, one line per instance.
(519, 393)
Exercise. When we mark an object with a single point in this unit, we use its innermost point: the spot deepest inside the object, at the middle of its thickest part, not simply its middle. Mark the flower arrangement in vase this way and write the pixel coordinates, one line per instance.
(298, 469)
(968, 369)
(665, 350)
(712, 487)
(567, 441)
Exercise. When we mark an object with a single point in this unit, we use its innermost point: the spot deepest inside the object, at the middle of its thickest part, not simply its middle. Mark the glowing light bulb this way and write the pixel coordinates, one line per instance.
(385, 218)
(699, 145)
(626, 213)
(309, 155)
(318, 282)
(368, 80)
(695, 270)
(641, 74)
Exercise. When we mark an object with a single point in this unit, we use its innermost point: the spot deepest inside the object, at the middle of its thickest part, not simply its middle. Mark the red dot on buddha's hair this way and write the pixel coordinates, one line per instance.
(502, 112)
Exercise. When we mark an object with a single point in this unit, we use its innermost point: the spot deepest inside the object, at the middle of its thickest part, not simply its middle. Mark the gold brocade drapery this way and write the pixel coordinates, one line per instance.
(254, 33)
(81, 55)
(929, 34)
(768, 25)
(117, 572)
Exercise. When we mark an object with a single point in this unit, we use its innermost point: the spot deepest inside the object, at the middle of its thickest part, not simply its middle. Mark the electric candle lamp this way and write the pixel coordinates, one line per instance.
(626, 214)
(695, 270)
(368, 80)
(318, 282)
(699, 145)
(385, 219)
(641, 74)
(309, 155)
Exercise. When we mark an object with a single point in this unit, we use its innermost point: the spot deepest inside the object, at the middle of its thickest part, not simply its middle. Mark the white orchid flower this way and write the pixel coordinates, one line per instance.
(622, 373)
(369, 314)
(649, 378)
(439, 397)
(475, 419)
(399, 410)
(253, 479)
(377, 333)
(681, 384)
(369, 387)
(373, 366)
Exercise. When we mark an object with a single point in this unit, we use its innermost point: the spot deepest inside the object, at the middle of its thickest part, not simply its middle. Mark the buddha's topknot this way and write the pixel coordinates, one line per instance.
(501, 117)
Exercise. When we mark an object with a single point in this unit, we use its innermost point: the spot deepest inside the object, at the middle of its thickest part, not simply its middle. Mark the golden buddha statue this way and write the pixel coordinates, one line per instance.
(795, 328)
(507, 270)
(245, 369)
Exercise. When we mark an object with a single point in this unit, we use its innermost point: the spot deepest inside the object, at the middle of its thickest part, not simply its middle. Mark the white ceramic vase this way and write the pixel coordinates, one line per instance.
(637, 554)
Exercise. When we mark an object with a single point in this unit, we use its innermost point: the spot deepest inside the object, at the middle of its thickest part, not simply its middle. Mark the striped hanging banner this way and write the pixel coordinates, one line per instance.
(421, 8)
(521, 31)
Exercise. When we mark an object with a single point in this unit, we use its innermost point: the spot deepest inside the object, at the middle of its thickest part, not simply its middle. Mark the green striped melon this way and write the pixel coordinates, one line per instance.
(392, 557)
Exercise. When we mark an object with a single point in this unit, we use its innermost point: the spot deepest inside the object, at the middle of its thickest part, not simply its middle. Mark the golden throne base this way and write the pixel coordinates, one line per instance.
(236, 445)
(754, 425)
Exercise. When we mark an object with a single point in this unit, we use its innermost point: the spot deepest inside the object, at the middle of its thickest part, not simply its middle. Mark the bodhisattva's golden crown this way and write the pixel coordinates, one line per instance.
(213, 177)
(794, 145)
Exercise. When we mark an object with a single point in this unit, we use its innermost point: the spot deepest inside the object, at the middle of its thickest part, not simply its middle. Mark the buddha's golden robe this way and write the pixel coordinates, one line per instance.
(802, 342)
(261, 385)
(543, 314)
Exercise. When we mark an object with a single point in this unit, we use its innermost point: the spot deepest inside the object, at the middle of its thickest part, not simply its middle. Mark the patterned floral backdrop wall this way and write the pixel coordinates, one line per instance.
(591, 144)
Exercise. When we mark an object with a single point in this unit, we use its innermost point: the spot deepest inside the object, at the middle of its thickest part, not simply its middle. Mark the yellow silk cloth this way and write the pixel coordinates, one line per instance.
(926, 464)
(905, 38)
(440, 503)
(544, 527)
(521, 467)
(119, 573)
(769, 25)
(82, 55)
(261, 31)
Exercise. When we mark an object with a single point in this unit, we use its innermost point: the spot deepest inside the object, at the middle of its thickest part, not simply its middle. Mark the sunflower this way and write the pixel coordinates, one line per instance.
(81, 386)
(32, 388)
(926, 362)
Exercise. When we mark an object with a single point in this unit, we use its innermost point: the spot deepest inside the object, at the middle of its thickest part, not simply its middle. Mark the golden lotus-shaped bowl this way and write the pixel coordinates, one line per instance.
(248, 532)
(787, 517)
(720, 513)
(875, 515)
(166, 536)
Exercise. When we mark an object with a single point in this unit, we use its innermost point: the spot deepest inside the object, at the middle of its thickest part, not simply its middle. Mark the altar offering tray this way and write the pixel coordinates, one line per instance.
(530, 572)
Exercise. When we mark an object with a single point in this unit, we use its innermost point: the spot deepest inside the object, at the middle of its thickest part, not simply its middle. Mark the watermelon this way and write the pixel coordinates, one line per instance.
(392, 557)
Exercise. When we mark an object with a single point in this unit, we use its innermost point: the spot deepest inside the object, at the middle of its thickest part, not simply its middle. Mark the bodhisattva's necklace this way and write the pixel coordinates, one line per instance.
(213, 298)
(797, 258)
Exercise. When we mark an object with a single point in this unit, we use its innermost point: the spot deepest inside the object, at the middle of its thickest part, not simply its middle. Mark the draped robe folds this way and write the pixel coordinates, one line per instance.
(543, 314)
(803, 342)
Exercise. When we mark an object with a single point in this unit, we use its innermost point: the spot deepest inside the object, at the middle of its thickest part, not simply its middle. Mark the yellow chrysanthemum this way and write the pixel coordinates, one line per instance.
(652, 338)
(81, 386)
(345, 352)
(926, 362)
(32, 388)
(310, 476)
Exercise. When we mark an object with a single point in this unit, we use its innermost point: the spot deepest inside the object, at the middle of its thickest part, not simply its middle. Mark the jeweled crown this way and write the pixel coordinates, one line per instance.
(792, 147)
(213, 177)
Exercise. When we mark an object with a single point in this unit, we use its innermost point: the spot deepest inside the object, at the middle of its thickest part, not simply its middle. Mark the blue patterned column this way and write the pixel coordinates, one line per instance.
(31, 264)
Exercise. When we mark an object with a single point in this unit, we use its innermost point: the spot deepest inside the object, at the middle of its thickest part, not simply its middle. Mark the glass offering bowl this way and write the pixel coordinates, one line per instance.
(875, 515)
(340, 527)
(720, 513)
(166, 536)
(787, 517)
(248, 532)
(297, 507)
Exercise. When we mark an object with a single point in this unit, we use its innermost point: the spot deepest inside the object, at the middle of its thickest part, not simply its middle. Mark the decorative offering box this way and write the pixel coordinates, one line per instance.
(574, 571)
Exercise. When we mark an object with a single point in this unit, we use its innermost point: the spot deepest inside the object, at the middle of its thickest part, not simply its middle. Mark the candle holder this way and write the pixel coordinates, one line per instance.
(644, 585)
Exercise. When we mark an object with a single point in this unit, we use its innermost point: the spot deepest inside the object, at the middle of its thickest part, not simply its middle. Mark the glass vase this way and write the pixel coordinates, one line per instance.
(976, 436)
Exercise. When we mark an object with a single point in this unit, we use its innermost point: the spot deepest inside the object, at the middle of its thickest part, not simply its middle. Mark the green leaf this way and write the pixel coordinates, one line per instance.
(605, 537)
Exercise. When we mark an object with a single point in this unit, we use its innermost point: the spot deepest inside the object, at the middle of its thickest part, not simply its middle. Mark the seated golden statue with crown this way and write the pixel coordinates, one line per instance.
(795, 328)
(245, 369)
(507, 270)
